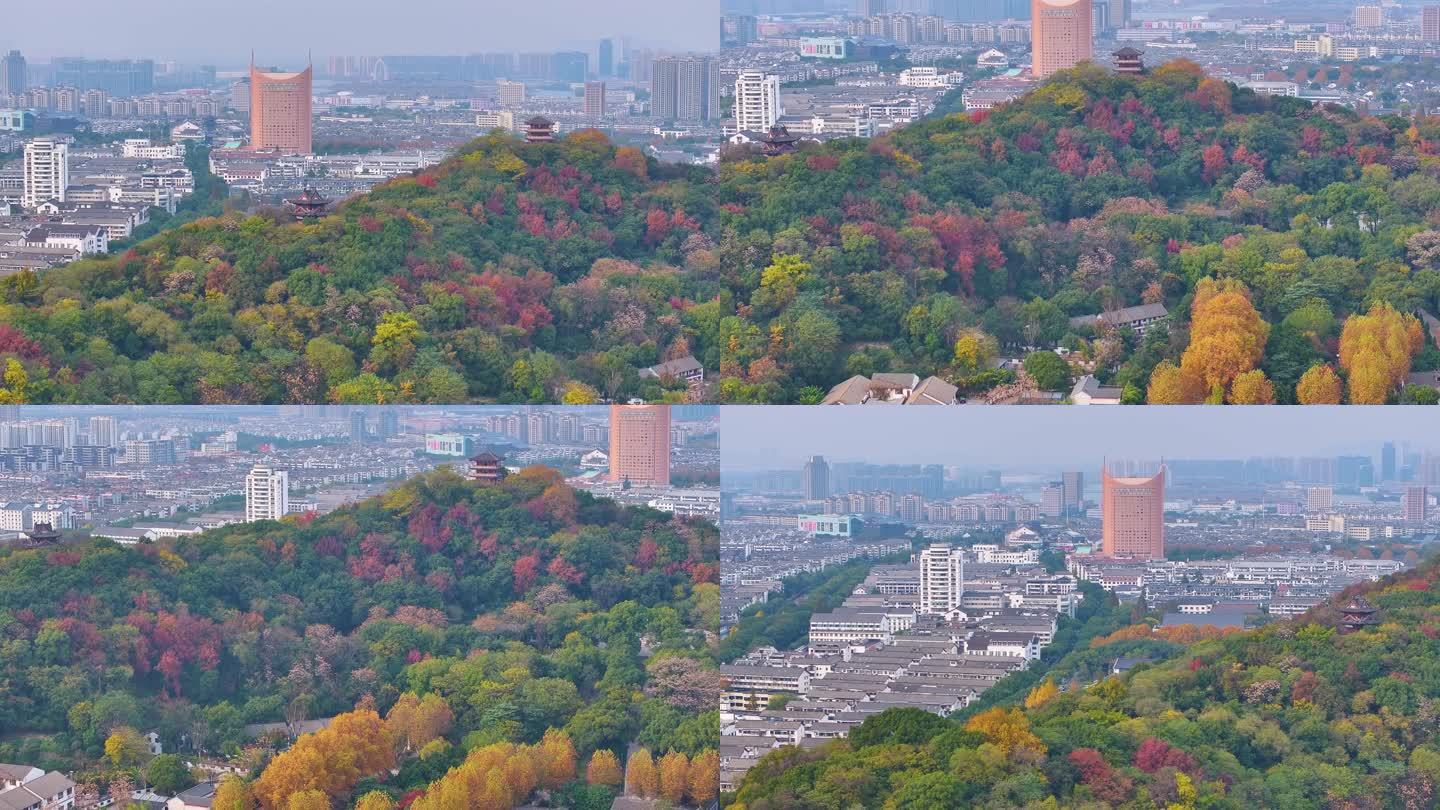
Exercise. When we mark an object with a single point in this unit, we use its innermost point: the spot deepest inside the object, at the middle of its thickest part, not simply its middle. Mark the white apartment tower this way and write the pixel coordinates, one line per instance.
(47, 172)
(757, 101)
(942, 578)
(267, 494)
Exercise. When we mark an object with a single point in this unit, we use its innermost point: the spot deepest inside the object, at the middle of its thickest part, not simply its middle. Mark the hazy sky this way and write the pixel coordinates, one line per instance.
(222, 32)
(1019, 436)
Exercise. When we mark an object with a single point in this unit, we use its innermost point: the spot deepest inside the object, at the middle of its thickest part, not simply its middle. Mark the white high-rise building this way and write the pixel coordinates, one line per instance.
(1319, 500)
(47, 172)
(267, 494)
(103, 431)
(942, 578)
(757, 101)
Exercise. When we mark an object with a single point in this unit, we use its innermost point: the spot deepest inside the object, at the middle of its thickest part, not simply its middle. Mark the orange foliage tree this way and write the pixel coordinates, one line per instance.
(1007, 730)
(704, 777)
(604, 768)
(355, 745)
(641, 777)
(502, 775)
(674, 776)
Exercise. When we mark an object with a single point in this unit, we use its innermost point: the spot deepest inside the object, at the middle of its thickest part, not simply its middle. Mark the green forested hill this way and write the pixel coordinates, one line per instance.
(1292, 715)
(539, 272)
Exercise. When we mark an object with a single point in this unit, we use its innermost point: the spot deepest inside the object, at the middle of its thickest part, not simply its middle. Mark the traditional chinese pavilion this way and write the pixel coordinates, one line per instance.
(539, 130)
(42, 534)
(488, 468)
(1128, 60)
(311, 204)
(778, 141)
(1357, 614)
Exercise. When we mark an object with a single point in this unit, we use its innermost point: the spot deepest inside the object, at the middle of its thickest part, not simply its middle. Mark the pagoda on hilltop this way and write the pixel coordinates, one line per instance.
(487, 468)
(1357, 614)
(539, 130)
(1129, 61)
(778, 141)
(42, 534)
(311, 204)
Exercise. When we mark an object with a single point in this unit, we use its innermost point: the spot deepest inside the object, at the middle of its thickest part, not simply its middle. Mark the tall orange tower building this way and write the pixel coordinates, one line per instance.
(280, 110)
(640, 444)
(1061, 34)
(1132, 513)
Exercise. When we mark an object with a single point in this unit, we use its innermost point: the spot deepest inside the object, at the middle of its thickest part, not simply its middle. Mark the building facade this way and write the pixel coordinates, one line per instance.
(640, 444)
(1133, 516)
(1062, 35)
(267, 494)
(942, 578)
(685, 88)
(47, 172)
(280, 111)
(816, 479)
(757, 101)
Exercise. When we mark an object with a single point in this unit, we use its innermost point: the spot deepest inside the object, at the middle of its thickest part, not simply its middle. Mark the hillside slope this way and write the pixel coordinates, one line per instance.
(1292, 715)
(543, 272)
(520, 606)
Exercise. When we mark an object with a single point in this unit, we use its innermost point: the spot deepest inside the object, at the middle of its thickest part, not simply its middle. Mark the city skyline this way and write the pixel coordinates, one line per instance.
(114, 30)
(1030, 438)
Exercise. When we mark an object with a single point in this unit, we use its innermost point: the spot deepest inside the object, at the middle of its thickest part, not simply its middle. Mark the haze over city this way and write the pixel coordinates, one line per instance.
(771, 438)
(166, 29)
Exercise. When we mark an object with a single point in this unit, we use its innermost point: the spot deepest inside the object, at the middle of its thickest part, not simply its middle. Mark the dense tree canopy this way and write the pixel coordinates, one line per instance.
(464, 615)
(548, 272)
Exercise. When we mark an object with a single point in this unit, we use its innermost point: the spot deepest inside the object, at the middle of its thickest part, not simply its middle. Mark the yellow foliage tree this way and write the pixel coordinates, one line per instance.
(1227, 335)
(1376, 350)
(641, 777)
(1169, 385)
(1320, 385)
(308, 800)
(557, 759)
(375, 800)
(1252, 388)
(233, 793)
(1041, 694)
(1006, 729)
(604, 768)
(674, 776)
(704, 777)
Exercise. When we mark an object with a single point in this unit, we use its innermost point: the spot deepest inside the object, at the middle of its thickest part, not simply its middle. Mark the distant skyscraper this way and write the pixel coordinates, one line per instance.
(1387, 462)
(1061, 35)
(816, 478)
(1120, 13)
(358, 432)
(757, 101)
(280, 111)
(640, 444)
(570, 66)
(14, 75)
(594, 99)
(1052, 500)
(267, 494)
(389, 424)
(1369, 16)
(1430, 23)
(1133, 516)
(1413, 503)
(738, 30)
(121, 78)
(1074, 486)
(685, 88)
(103, 431)
(942, 578)
(606, 66)
(47, 172)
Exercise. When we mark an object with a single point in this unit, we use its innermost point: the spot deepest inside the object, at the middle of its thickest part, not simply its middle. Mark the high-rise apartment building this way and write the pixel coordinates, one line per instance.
(14, 74)
(942, 578)
(1132, 514)
(1413, 503)
(103, 431)
(267, 494)
(510, 93)
(358, 432)
(757, 101)
(1430, 23)
(47, 171)
(1052, 499)
(1119, 13)
(605, 66)
(1387, 461)
(594, 99)
(1319, 499)
(685, 88)
(280, 111)
(1061, 35)
(816, 478)
(1369, 16)
(1074, 485)
(640, 444)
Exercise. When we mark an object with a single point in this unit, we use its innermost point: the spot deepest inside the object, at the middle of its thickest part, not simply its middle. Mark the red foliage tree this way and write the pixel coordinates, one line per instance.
(526, 571)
